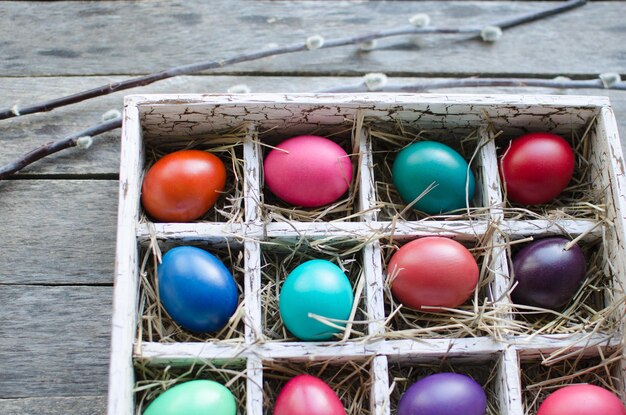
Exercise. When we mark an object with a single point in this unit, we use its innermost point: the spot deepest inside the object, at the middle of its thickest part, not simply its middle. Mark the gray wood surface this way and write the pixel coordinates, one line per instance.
(80, 405)
(57, 232)
(122, 37)
(58, 221)
(55, 341)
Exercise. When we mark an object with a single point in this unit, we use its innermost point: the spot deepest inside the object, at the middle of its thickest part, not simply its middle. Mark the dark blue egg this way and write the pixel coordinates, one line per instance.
(196, 289)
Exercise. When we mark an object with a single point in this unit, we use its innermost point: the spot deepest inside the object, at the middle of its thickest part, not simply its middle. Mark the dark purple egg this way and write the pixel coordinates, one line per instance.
(444, 394)
(547, 275)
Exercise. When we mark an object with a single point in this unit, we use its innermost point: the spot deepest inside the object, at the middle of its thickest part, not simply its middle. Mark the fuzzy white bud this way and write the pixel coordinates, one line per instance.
(84, 142)
(314, 42)
(420, 20)
(375, 81)
(368, 45)
(561, 79)
(239, 89)
(111, 115)
(15, 110)
(491, 33)
(609, 79)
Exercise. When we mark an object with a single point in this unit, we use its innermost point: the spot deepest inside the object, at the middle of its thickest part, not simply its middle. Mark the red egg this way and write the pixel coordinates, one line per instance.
(308, 395)
(536, 167)
(582, 400)
(434, 272)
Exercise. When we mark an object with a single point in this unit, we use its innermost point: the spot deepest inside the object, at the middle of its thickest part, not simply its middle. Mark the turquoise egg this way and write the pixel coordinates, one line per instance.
(196, 397)
(421, 164)
(317, 287)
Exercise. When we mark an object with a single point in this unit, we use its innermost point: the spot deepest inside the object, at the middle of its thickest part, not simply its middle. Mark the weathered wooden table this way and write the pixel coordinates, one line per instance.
(59, 215)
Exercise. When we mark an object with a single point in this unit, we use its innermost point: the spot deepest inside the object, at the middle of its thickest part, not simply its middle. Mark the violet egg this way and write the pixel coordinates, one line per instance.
(547, 274)
(444, 394)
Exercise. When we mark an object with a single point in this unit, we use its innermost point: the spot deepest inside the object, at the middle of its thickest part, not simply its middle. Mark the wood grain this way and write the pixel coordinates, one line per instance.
(114, 40)
(78, 405)
(19, 135)
(58, 231)
(55, 341)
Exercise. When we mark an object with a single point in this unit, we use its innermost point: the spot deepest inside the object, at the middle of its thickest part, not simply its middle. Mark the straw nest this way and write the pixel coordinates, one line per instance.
(280, 257)
(345, 209)
(151, 381)
(350, 380)
(542, 377)
(596, 307)
(388, 139)
(403, 374)
(228, 146)
(477, 317)
(156, 325)
(580, 200)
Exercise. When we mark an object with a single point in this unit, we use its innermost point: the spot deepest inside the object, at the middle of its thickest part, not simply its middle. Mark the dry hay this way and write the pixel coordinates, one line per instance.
(346, 208)
(228, 146)
(388, 139)
(477, 317)
(404, 373)
(350, 380)
(151, 381)
(156, 325)
(280, 257)
(597, 306)
(580, 200)
(542, 377)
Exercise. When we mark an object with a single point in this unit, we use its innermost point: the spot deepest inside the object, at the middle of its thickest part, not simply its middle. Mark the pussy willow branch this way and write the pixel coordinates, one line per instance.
(297, 47)
(56, 146)
(71, 141)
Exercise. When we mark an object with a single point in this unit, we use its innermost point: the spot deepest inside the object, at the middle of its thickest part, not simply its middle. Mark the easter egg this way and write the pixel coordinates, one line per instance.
(195, 397)
(536, 167)
(315, 287)
(434, 272)
(547, 275)
(182, 186)
(308, 171)
(431, 164)
(196, 289)
(444, 394)
(307, 395)
(582, 399)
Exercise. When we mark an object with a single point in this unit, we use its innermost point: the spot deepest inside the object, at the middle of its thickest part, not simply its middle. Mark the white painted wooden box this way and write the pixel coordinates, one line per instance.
(518, 358)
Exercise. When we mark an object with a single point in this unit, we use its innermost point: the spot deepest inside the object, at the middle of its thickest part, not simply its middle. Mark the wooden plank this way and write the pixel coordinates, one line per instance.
(58, 231)
(19, 135)
(55, 341)
(76, 405)
(585, 41)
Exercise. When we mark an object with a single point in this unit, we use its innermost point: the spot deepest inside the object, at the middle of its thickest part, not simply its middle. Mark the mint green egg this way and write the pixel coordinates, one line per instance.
(421, 164)
(315, 287)
(196, 397)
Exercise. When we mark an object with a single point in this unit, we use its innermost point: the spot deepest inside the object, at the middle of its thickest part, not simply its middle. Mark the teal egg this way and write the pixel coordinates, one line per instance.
(421, 164)
(318, 287)
(196, 397)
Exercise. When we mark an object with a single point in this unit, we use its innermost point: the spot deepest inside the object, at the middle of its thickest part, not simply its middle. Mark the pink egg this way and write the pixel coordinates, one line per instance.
(308, 171)
(307, 395)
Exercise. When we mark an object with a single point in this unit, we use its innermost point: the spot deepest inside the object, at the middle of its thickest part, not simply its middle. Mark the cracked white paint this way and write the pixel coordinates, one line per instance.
(169, 117)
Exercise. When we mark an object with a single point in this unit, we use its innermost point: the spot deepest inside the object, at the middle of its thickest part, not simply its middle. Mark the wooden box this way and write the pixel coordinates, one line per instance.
(519, 358)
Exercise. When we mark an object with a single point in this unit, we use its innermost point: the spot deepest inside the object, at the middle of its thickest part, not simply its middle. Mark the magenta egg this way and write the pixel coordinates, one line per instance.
(547, 274)
(444, 394)
(308, 171)
(307, 395)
